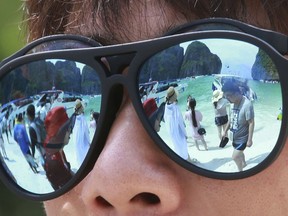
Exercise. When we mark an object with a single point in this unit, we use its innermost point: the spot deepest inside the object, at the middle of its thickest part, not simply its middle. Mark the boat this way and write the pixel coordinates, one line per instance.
(157, 90)
(54, 98)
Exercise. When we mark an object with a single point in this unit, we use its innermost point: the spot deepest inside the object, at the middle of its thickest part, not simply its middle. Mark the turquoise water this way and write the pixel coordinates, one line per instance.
(266, 107)
(266, 130)
(266, 133)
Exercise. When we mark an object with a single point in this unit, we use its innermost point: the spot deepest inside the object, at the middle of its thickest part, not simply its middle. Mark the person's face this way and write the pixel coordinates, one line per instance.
(231, 96)
(133, 177)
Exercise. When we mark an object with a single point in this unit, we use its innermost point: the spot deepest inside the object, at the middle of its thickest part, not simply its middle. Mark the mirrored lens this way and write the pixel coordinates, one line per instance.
(49, 114)
(194, 91)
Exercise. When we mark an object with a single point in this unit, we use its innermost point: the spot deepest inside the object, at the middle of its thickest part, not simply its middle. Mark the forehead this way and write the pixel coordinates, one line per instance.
(126, 22)
(139, 20)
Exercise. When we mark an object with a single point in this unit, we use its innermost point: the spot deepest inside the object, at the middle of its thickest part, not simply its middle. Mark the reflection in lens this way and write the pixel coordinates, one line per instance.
(188, 79)
(49, 115)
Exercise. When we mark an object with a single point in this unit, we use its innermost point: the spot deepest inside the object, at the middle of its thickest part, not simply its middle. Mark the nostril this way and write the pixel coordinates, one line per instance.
(146, 198)
(102, 202)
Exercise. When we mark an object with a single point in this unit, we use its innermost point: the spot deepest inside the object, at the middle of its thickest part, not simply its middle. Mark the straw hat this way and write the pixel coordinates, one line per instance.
(171, 95)
(79, 106)
(217, 95)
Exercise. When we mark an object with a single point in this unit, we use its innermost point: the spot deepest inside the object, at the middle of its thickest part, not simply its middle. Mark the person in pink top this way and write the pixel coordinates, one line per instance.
(195, 117)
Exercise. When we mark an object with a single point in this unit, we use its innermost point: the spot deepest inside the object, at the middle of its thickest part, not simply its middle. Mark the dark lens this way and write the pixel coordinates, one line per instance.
(183, 91)
(48, 116)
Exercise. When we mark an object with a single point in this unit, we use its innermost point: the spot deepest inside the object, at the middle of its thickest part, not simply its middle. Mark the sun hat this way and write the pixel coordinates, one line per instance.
(171, 95)
(79, 106)
(217, 95)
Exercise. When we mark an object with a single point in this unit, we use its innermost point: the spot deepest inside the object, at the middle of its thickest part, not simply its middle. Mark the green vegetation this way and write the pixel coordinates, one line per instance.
(11, 40)
(11, 37)
(264, 68)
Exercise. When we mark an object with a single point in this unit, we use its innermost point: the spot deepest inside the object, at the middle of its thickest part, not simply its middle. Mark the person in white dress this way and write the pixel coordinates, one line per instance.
(81, 133)
(175, 124)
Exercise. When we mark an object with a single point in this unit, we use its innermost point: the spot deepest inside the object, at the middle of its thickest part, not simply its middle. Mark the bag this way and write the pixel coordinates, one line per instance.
(223, 142)
(201, 131)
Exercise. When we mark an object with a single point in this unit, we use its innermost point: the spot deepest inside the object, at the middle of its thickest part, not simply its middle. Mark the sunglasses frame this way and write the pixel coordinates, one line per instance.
(113, 83)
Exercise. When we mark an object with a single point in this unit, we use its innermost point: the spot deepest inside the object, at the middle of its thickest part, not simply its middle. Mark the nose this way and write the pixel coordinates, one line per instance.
(131, 176)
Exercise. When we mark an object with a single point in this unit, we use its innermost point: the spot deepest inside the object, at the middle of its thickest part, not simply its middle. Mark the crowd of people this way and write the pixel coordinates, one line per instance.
(234, 119)
(42, 138)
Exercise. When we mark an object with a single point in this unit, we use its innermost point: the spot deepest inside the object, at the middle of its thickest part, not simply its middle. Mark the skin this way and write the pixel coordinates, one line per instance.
(155, 184)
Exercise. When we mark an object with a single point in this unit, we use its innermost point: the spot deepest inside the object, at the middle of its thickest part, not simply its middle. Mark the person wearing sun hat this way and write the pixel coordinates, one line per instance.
(221, 105)
(171, 95)
(154, 113)
(175, 123)
(58, 128)
(81, 132)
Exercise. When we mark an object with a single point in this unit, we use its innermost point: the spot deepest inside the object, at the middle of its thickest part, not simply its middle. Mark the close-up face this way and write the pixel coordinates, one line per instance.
(137, 169)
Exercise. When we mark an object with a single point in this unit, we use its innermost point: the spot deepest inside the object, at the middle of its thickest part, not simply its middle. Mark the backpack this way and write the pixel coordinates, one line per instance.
(39, 127)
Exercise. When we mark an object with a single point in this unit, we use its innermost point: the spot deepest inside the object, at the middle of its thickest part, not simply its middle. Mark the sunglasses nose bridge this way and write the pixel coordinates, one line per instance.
(118, 63)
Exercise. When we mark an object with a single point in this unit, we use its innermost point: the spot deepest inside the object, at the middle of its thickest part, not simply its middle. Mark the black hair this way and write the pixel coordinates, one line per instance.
(31, 111)
(230, 86)
(192, 105)
(20, 117)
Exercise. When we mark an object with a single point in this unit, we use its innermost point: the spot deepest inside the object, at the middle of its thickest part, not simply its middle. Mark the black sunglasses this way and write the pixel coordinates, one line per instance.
(196, 59)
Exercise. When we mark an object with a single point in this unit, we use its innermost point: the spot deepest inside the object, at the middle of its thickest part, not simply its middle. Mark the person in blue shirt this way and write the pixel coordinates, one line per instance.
(22, 139)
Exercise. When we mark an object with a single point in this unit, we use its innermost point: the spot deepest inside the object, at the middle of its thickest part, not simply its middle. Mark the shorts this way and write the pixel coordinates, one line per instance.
(221, 120)
(239, 147)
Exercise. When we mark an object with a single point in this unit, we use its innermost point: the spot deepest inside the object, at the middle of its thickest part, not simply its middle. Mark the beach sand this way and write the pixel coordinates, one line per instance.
(220, 159)
(215, 159)
(26, 178)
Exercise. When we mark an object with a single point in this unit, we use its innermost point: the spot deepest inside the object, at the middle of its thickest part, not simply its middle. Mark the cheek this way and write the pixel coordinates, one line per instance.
(69, 204)
(265, 192)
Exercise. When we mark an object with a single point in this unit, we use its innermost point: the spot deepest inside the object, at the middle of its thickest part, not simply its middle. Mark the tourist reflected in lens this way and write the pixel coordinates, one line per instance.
(57, 167)
(241, 125)
(3, 153)
(194, 117)
(154, 113)
(222, 109)
(80, 132)
(37, 133)
(94, 116)
(175, 123)
(21, 137)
